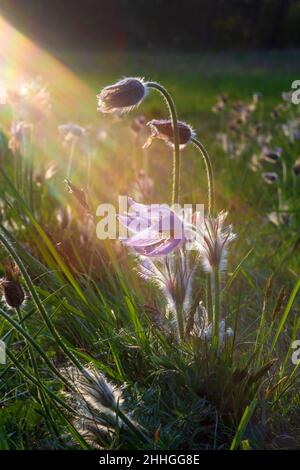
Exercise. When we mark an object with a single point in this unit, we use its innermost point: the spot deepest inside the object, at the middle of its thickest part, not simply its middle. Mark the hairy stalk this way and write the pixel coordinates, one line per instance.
(209, 171)
(280, 204)
(180, 322)
(284, 175)
(71, 157)
(30, 170)
(176, 151)
(215, 280)
(209, 302)
(88, 169)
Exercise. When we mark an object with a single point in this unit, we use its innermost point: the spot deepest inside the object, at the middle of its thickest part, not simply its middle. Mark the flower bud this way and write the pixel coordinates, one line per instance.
(270, 177)
(13, 293)
(163, 129)
(271, 156)
(122, 96)
(296, 167)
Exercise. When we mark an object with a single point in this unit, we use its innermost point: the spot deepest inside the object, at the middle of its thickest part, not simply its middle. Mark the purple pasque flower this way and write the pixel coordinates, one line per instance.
(154, 230)
(271, 156)
(270, 177)
(122, 96)
(163, 129)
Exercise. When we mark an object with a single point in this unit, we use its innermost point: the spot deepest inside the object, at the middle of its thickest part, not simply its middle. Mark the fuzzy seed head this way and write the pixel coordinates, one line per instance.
(95, 390)
(214, 244)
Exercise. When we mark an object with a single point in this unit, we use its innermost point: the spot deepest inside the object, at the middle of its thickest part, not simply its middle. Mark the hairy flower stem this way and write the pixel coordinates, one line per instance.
(209, 302)
(211, 207)
(209, 171)
(215, 281)
(180, 323)
(176, 151)
(284, 175)
(31, 165)
(71, 157)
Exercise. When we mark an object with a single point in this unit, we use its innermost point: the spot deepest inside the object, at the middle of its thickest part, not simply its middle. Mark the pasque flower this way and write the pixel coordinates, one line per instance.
(122, 96)
(128, 93)
(271, 156)
(30, 100)
(270, 177)
(13, 293)
(71, 131)
(155, 230)
(163, 129)
(296, 167)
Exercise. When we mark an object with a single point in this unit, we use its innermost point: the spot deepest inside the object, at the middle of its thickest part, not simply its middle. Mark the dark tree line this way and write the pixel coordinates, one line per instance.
(140, 24)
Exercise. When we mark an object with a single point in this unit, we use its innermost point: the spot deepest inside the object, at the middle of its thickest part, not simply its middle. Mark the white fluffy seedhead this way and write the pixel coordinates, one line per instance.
(214, 242)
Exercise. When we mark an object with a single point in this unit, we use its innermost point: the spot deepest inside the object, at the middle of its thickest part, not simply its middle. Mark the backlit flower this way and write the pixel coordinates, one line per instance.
(270, 177)
(156, 230)
(271, 156)
(30, 100)
(163, 129)
(296, 167)
(13, 293)
(71, 131)
(122, 96)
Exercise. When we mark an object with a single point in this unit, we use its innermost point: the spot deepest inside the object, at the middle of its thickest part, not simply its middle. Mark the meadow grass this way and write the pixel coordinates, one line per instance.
(87, 306)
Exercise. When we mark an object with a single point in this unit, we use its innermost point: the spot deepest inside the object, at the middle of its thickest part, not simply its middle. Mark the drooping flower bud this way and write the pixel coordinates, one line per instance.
(270, 177)
(71, 131)
(122, 96)
(163, 129)
(13, 293)
(271, 156)
(296, 167)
